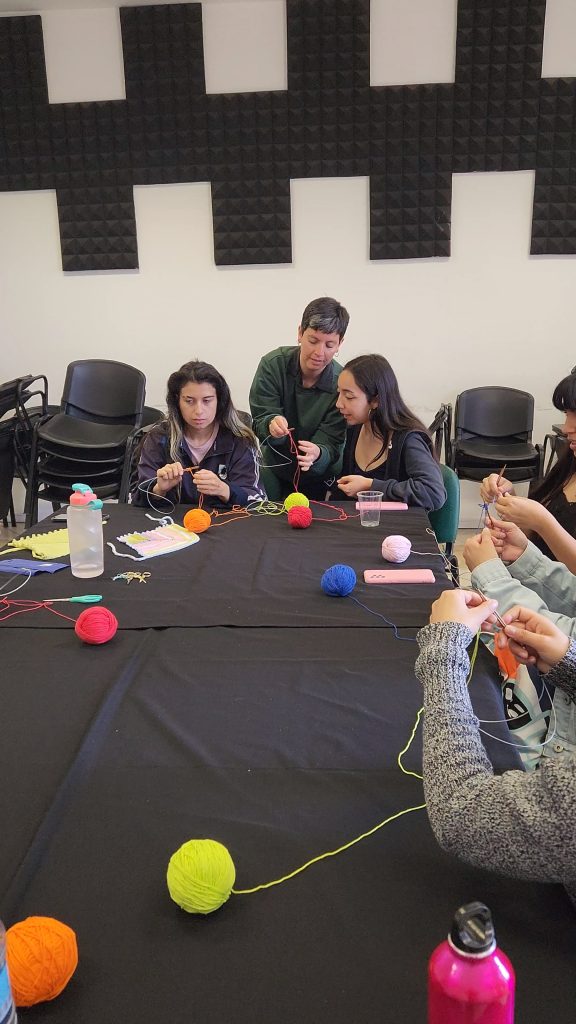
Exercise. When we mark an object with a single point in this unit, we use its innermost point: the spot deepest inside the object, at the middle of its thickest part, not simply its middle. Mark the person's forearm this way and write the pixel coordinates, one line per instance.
(514, 823)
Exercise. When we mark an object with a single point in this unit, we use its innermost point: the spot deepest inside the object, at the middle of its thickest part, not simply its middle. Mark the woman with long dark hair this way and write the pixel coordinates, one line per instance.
(202, 448)
(387, 447)
(549, 515)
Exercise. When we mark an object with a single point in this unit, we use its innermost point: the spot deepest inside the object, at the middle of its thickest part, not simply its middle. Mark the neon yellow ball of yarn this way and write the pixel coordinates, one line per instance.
(295, 499)
(200, 876)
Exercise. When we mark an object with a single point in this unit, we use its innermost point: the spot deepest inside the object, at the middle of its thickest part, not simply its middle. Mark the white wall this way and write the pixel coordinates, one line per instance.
(490, 314)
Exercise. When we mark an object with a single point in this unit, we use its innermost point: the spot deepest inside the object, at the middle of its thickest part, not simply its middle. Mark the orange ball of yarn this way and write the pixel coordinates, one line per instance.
(42, 956)
(300, 517)
(96, 625)
(197, 520)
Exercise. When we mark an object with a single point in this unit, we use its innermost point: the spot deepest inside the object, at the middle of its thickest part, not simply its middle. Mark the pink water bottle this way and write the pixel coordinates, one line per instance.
(470, 980)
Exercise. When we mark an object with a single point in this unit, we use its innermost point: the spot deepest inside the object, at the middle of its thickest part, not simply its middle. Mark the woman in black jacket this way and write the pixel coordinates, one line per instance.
(387, 447)
(202, 448)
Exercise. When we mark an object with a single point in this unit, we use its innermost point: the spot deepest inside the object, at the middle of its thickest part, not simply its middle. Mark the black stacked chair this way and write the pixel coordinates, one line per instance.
(16, 433)
(493, 428)
(92, 438)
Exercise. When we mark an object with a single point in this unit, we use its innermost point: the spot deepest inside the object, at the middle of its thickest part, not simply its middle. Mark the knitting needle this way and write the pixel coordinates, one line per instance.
(484, 598)
(191, 469)
(501, 474)
(83, 599)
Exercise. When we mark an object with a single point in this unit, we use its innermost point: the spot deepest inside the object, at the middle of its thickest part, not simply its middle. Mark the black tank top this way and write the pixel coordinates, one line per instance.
(565, 513)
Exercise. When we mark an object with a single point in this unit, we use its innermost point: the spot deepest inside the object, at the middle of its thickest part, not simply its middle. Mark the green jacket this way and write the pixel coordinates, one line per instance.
(277, 390)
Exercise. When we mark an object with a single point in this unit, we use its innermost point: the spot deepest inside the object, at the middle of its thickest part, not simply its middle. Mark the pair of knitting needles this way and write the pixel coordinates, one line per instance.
(500, 475)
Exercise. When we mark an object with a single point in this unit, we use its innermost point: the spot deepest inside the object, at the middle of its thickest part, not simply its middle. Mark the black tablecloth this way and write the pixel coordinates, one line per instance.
(253, 572)
(280, 751)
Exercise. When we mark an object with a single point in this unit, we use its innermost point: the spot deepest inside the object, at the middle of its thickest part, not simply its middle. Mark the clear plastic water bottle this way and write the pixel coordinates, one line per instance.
(85, 537)
(7, 1010)
(470, 980)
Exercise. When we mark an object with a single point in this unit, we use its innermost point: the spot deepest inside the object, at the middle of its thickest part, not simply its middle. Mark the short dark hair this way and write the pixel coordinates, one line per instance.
(325, 315)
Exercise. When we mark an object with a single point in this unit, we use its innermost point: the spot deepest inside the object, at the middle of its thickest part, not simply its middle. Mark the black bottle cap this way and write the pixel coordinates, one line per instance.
(472, 930)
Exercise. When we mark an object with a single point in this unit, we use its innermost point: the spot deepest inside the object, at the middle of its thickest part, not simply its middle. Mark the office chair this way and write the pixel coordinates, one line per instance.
(493, 427)
(16, 434)
(91, 438)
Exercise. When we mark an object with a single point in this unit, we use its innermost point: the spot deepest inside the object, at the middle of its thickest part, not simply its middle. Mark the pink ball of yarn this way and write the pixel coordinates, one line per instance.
(396, 548)
(96, 625)
(300, 517)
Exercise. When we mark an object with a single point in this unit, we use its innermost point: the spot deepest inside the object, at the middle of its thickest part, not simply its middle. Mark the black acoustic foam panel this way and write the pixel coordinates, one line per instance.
(499, 115)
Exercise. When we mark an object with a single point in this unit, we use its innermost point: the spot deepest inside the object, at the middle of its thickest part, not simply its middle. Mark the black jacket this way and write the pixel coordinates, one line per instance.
(232, 458)
(410, 473)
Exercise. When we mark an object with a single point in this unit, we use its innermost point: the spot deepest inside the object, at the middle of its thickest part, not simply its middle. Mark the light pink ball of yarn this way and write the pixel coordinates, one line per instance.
(396, 548)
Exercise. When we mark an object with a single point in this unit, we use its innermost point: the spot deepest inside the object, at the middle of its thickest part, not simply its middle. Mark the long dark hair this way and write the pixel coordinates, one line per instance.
(197, 372)
(376, 378)
(563, 399)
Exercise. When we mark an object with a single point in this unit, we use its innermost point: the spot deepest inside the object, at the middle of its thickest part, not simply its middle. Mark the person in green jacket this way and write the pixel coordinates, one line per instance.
(294, 392)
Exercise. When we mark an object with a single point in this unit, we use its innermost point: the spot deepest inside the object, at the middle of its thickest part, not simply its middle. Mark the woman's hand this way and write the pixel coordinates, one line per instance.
(493, 487)
(463, 606)
(167, 477)
(533, 639)
(309, 452)
(278, 427)
(352, 484)
(508, 540)
(524, 512)
(479, 549)
(210, 484)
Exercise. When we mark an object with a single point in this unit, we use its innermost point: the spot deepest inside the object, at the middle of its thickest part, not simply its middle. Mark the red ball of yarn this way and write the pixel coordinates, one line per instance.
(300, 517)
(96, 625)
(42, 956)
(197, 520)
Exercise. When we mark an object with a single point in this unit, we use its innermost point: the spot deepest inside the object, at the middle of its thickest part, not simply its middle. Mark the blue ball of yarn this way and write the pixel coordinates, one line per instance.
(338, 580)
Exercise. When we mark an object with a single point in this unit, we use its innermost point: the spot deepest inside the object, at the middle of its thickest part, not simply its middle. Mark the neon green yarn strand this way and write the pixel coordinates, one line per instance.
(352, 842)
(331, 853)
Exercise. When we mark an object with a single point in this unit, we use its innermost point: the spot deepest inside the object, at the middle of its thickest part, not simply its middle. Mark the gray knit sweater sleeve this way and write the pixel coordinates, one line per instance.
(518, 823)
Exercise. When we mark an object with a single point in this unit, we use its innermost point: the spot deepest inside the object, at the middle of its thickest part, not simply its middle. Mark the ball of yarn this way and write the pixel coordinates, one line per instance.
(300, 517)
(295, 499)
(396, 548)
(338, 580)
(96, 625)
(197, 520)
(42, 956)
(200, 876)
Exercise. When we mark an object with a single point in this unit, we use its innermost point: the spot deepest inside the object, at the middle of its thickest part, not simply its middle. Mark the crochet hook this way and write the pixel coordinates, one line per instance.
(83, 599)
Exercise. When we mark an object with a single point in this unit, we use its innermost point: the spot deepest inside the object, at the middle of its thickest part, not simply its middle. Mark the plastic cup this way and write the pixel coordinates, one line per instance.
(369, 502)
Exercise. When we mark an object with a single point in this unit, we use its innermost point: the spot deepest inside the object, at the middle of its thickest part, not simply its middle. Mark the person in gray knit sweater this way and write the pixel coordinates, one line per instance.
(518, 823)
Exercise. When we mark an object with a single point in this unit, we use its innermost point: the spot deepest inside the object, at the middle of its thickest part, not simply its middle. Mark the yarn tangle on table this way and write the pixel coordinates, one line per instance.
(396, 548)
(338, 581)
(300, 517)
(42, 956)
(197, 520)
(96, 625)
(200, 876)
(295, 500)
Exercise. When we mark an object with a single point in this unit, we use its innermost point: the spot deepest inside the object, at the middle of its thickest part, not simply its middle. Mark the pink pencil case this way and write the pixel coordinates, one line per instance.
(399, 576)
(384, 506)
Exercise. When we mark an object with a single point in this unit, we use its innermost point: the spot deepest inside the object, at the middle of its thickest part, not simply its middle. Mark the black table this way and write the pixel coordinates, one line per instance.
(279, 741)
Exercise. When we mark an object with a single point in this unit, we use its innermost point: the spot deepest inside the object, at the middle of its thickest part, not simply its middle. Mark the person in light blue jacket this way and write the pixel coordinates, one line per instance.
(531, 580)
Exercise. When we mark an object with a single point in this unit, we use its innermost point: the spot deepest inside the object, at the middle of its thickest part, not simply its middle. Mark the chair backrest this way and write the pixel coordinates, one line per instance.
(440, 430)
(494, 412)
(104, 391)
(9, 393)
(445, 520)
